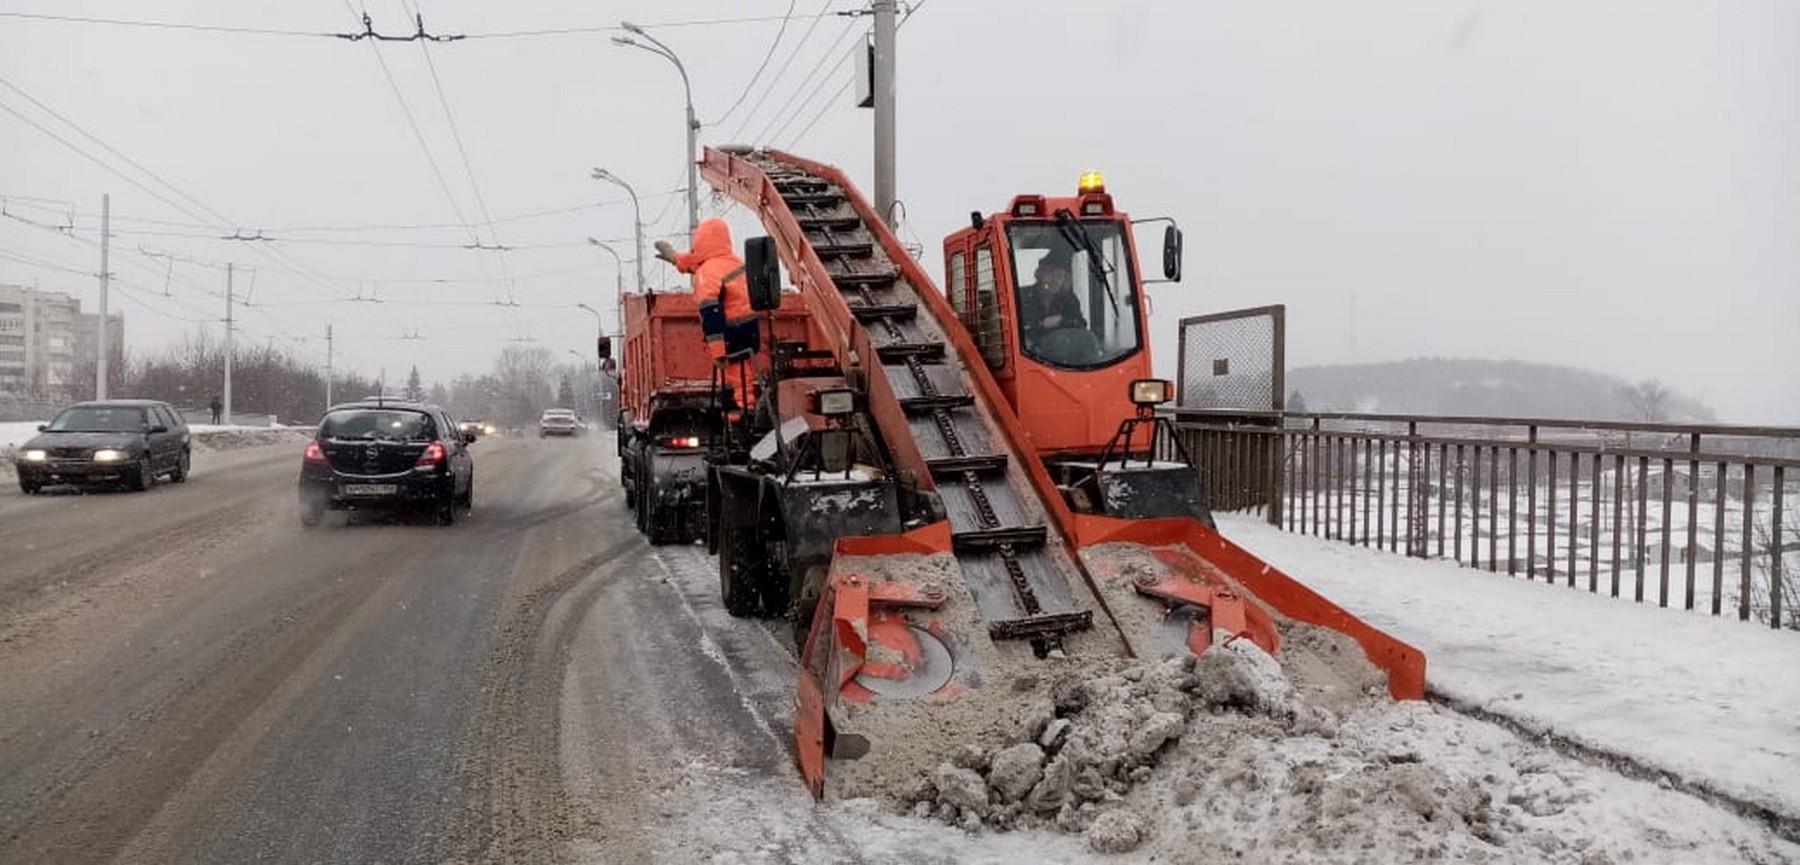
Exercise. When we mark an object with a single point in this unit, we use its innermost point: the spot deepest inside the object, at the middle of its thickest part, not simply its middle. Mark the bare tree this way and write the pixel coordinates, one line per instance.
(523, 374)
(1649, 399)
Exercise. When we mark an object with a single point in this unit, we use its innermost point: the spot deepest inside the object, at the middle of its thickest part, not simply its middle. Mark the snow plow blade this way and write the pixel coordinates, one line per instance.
(897, 638)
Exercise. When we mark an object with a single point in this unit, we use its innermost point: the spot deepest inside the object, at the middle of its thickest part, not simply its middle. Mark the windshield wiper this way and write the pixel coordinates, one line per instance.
(1077, 235)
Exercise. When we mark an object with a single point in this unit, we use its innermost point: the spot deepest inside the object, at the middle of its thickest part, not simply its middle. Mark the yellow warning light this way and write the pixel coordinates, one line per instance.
(1091, 181)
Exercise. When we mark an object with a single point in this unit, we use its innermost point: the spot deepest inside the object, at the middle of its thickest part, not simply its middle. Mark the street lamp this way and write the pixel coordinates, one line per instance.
(637, 220)
(618, 263)
(693, 126)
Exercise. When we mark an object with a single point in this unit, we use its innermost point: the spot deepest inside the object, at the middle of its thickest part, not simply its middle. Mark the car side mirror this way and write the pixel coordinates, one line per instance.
(762, 270)
(43, 426)
(157, 428)
(1172, 254)
(469, 438)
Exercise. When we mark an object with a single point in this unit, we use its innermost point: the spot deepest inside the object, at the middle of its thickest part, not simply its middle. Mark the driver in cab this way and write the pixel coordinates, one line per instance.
(1049, 304)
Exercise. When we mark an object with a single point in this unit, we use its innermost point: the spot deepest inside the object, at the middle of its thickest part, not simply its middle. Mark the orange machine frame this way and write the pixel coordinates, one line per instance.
(1063, 410)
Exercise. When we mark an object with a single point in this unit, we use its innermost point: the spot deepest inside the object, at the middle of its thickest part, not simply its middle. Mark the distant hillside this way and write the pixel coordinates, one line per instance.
(1488, 388)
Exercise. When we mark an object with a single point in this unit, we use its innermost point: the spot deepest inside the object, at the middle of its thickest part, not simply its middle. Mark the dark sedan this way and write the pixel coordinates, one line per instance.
(387, 455)
(128, 441)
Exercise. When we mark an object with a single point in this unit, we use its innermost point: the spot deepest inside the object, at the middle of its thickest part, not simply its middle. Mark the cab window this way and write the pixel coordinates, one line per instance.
(1078, 294)
(988, 332)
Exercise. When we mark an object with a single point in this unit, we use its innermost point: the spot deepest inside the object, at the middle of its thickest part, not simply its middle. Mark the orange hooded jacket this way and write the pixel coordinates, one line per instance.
(719, 283)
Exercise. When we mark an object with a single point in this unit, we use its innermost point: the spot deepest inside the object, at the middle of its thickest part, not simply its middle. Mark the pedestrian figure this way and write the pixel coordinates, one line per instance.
(216, 407)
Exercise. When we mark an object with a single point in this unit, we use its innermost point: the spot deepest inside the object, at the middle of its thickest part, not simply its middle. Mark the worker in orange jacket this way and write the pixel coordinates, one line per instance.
(726, 319)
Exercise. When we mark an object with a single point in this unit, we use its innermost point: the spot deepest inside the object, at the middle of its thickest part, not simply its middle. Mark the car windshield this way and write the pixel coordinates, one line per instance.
(99, 418)
(377, 425)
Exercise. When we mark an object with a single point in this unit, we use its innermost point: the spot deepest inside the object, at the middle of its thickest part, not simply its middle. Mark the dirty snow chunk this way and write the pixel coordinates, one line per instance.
(1117, 831)
(962, 788)
(1054, 732)
(1162, 727)
(1239, 675)
(1056, 788)
(1016, 770)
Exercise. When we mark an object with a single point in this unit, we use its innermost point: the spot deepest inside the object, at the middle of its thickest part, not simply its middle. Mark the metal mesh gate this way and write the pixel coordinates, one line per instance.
(1234, 360)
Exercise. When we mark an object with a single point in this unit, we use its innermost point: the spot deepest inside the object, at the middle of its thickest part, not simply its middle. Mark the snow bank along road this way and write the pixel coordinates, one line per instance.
(188, 676)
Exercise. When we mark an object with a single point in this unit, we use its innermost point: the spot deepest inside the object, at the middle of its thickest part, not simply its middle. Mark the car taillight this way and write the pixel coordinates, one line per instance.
(315, 455)
(433, 455)
(681, 442)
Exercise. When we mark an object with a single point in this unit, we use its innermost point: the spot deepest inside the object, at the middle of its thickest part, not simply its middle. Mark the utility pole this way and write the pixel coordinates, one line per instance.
(228, 329)
(884, 109)
(100, 356)
(328, 366)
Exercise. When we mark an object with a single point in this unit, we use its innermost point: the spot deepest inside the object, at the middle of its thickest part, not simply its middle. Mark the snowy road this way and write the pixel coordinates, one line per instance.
(187, 676)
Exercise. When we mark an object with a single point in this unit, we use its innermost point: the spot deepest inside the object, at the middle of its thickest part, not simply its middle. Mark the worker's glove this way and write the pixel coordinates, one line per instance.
(664, 251)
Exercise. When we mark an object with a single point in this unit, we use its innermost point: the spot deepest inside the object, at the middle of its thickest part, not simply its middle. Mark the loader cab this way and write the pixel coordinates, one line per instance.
(1049, 292)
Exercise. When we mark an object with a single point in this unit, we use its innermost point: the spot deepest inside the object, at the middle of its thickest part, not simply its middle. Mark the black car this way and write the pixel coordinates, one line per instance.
(128, 441)
(387, 455)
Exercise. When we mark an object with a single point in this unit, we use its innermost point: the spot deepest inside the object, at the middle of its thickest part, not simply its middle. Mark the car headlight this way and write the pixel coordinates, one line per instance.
(35, 456)
(110, 455)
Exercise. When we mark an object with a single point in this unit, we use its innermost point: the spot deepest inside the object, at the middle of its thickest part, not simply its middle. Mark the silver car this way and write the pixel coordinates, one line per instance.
(558, 422)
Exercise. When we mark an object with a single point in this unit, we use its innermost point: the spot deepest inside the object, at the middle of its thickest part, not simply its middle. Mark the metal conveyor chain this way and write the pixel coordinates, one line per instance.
(1034, 601)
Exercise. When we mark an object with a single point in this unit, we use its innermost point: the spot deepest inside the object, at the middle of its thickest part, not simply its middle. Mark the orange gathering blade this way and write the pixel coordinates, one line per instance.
(893, 649)
(809, 734)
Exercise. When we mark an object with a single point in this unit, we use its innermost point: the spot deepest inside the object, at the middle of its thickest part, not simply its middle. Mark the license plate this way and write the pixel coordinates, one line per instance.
(371, 489)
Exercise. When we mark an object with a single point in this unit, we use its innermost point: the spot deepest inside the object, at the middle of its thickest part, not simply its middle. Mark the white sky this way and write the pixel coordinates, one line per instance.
(1611, 185)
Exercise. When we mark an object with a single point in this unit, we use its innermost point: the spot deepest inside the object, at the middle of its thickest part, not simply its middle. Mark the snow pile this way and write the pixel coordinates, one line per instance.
(238, 438)
(1070, 759)
(1231, 756)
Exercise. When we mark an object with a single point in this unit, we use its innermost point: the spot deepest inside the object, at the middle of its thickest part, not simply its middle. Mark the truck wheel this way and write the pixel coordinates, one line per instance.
(742, 569)
(666, 525)
(640, 489)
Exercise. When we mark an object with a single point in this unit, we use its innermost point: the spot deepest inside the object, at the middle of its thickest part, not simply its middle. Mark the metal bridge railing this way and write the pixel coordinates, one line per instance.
(1702, 516)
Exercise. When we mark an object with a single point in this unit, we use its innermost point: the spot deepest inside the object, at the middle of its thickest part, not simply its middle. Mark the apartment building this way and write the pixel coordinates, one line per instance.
(44, 339)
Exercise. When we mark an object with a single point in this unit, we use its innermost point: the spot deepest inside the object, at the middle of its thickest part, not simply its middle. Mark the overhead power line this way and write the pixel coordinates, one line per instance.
(785, 63)
(765, 62)
(838, 94)
(419, 136)
(462, 151)
(64, 207)
(166, 25)
(368, 32)
(193, 212)
(833, 49)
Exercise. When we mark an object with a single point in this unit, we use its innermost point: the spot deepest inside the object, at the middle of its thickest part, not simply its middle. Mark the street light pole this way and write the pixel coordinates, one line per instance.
(637, 220)
(693, 124)
(619, 295)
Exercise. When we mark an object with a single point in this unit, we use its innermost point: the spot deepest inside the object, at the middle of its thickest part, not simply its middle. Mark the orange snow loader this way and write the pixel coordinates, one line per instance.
(975, 491)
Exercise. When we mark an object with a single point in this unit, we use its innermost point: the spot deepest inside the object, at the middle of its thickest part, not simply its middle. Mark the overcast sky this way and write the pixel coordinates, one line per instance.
(1609, 185)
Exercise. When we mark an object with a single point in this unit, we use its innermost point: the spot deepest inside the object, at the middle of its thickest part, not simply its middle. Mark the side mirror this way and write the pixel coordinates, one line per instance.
(158, 428)
(762, 269)
(1172, 254)
(603, 346)
(469, 438)
(43, 426)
